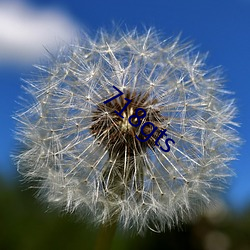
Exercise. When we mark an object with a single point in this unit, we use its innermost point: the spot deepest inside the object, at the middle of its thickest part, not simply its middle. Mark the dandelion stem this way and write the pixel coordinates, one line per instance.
(105, 236)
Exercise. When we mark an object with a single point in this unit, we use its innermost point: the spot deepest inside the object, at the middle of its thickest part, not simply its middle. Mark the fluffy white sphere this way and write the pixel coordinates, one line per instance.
(86, 158)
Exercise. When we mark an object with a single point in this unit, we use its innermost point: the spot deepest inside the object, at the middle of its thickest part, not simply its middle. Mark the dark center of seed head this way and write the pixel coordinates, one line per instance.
(117, 133)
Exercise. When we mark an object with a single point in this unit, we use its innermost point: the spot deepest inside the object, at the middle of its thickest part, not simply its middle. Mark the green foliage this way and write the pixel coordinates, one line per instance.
(25, 226)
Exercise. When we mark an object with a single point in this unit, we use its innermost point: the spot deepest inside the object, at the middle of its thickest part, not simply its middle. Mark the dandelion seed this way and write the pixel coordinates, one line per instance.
(86, 158)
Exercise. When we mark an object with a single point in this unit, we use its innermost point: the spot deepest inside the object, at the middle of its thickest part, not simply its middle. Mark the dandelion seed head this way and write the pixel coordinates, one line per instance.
(87, 159)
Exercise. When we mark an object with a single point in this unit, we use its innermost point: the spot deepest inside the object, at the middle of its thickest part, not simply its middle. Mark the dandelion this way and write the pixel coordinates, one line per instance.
(85, 155)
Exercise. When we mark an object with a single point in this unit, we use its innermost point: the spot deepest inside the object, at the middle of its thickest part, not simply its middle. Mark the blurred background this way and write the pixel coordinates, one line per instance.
(28, 28)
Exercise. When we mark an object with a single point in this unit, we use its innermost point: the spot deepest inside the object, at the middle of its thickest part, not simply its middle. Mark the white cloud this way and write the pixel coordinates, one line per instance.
(25, 31)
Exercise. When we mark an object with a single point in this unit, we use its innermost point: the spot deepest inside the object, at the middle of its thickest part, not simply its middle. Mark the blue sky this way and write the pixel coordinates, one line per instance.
(221, 27)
